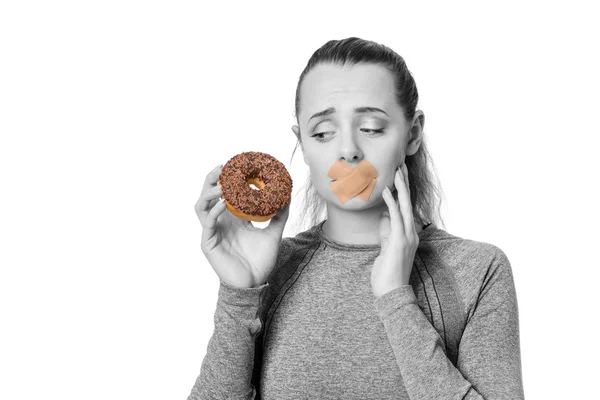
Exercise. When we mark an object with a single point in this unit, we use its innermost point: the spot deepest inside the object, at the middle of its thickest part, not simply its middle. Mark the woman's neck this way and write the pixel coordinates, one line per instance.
(355, 227)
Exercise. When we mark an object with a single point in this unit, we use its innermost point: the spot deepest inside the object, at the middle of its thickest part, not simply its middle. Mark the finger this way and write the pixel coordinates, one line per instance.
(209, 196)
(409, 218)
(207, 201)
(210, 224)
(395, 217)
(384, 228)
(203, 203)
(401, 198)
(277, 223)
(212, 178)
(405, 174)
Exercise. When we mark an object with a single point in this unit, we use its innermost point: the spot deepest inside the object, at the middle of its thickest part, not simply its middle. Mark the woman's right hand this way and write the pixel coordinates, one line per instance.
(241, 254)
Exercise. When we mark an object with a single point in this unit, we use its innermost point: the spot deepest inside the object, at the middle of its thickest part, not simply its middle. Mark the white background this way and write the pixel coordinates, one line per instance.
(113, 112)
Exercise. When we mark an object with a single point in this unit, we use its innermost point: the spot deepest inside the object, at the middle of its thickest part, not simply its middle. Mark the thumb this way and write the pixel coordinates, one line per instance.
(384, 228)
(277, 223)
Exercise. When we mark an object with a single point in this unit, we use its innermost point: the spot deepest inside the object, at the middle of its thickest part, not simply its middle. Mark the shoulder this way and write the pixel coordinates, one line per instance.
(471, 266)
(463, 253)
(303, 241)
(292, 250)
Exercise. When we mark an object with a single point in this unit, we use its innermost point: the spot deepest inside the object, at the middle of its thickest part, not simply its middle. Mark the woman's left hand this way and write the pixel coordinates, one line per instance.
(399, 239)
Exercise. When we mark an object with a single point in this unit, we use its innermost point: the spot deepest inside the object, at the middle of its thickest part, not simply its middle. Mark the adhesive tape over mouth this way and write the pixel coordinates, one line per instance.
(352, 182)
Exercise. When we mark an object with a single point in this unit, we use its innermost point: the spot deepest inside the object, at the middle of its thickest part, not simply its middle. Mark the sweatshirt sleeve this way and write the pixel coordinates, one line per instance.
(226, 370)
(489, 359)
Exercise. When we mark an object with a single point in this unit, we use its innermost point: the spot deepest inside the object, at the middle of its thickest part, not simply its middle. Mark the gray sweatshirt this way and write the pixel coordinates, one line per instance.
(314, 329)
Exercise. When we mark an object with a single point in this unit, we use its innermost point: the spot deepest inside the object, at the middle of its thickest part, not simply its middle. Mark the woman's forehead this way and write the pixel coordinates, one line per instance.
(332, 85)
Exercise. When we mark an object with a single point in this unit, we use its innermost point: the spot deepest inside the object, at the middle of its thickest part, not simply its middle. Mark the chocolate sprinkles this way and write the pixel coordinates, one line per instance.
(236, 173)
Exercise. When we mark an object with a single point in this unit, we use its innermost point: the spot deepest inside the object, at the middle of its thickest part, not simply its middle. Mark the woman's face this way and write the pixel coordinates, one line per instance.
(331, 127)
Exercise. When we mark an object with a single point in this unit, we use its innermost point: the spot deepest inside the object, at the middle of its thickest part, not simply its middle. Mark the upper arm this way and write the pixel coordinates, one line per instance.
(489, 351)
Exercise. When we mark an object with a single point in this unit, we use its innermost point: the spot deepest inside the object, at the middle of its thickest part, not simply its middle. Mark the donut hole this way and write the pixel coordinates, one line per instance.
(256, 184)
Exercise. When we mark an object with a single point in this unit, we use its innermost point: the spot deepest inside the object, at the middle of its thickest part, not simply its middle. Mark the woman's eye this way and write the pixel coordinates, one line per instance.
(320, 136)
(372, 130)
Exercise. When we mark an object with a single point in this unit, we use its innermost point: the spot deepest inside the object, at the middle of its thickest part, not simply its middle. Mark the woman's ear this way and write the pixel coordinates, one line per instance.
(296, 130)
(416, 133)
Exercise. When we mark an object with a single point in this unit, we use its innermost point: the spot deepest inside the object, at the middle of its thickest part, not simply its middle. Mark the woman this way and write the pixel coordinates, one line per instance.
(376, 301)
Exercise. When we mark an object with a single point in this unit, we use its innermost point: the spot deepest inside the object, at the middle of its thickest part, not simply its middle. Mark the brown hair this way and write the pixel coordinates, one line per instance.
(425, 190)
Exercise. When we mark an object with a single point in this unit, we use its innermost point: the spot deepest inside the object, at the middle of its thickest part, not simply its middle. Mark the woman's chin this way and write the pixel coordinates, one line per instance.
(355, 203)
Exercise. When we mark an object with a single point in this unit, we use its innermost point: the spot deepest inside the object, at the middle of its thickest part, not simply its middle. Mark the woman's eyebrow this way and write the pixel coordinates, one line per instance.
(357, 110)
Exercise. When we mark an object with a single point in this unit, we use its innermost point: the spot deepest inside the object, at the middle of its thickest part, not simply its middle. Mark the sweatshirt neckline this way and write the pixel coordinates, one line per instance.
(423, 235)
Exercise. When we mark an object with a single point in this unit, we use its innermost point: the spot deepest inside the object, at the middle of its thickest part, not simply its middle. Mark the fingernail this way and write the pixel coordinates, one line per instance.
(385, 214)
(217, 167)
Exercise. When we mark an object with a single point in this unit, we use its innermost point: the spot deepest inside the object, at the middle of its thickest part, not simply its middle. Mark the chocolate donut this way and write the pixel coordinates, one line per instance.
(265, 172)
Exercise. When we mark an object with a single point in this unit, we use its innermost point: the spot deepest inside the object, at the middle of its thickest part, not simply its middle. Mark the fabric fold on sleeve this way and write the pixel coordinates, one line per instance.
(226, 370)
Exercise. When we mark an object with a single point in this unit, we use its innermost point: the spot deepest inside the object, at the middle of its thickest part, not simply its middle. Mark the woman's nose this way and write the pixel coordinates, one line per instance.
(349, 150)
